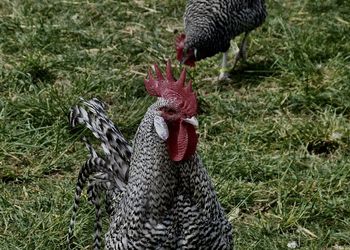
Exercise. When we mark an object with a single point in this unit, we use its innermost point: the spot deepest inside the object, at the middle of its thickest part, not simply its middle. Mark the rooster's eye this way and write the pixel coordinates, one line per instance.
(169, 111)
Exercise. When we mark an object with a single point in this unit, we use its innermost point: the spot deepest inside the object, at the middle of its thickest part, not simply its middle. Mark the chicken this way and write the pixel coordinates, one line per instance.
(160, 195)
(211, 24)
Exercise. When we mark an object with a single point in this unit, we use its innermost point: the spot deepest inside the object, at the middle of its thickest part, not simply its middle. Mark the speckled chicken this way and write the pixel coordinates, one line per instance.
(158, 193)
(211, 24)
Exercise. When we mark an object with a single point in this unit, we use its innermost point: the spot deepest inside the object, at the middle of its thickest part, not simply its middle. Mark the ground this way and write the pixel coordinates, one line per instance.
(275, 138)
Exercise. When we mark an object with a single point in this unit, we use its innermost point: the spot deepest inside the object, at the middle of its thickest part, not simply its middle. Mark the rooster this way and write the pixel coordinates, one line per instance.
(211, 24)
(158, 193)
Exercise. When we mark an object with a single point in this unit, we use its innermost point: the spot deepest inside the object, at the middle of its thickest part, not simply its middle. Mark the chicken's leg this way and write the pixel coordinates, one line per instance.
(242, 53)
(224, 71)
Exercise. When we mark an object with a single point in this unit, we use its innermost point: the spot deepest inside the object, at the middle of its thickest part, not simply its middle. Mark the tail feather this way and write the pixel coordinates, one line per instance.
(95, 200)
(87, 170)
(113, 143)
(108, 174)
(102, 182)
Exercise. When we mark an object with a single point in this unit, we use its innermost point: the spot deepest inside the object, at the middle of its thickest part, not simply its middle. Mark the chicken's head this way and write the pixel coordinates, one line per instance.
(175, 120)
(186, 56)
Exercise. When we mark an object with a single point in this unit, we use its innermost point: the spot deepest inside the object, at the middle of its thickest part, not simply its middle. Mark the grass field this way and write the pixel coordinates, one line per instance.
(275, 139)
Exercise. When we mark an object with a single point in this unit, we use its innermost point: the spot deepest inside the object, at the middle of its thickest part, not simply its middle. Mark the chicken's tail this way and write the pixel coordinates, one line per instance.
(253, 16)
(108, 174)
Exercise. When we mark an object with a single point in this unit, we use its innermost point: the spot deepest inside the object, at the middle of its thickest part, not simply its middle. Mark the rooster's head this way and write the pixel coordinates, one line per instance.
(175, 120)
(185, 55)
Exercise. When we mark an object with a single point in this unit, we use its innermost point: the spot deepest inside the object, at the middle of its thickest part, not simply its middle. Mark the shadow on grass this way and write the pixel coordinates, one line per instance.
(249, 74)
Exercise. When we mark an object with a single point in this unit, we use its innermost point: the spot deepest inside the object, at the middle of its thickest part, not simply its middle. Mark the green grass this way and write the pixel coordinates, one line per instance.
(275, 139)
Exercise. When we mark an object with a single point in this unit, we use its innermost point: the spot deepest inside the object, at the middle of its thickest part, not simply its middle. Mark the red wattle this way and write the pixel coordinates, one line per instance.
(190, 62)
(182, 141)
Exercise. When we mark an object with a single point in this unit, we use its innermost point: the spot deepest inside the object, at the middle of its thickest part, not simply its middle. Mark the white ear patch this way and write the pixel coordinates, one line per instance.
(161, 127)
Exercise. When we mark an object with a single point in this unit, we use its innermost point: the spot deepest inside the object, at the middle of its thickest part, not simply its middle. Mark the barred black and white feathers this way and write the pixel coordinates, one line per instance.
(210, 25)
(113, 143)
(105, 175)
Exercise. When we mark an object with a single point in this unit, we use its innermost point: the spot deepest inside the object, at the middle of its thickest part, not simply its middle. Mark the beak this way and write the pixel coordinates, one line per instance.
(184, 59)
(193, 120)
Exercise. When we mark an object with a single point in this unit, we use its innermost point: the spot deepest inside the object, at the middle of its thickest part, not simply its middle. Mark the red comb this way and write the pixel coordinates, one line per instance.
(169, 88)
(179, 45)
